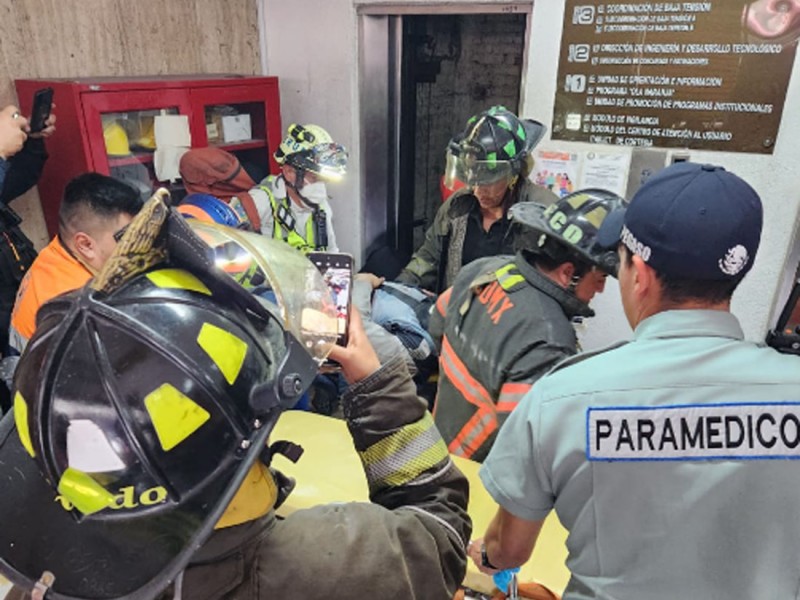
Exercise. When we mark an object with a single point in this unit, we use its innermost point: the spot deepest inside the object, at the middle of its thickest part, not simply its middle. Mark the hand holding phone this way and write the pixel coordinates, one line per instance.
(358, 359)
(337, 272)
(42, 105)
(12, 132)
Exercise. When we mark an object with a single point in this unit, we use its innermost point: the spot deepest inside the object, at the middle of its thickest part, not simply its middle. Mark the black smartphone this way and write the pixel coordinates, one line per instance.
(42, 104)
(337, 271)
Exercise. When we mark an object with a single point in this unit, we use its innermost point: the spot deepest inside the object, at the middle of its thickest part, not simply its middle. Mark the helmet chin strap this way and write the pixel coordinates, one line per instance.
(300, 175)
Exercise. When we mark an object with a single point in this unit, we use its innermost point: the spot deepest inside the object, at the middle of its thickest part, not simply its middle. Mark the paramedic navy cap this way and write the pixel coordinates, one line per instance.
(691, 221)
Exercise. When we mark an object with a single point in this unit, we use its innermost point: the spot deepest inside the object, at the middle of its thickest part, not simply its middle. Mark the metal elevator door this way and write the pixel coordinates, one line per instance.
(421, 77)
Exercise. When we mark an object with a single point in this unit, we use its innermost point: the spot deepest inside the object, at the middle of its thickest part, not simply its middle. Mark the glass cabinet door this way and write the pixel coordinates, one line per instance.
(241, 119)
(121, 127)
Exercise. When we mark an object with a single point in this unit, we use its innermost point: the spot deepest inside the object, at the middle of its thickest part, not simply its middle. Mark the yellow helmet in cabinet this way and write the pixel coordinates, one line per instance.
(116, 139)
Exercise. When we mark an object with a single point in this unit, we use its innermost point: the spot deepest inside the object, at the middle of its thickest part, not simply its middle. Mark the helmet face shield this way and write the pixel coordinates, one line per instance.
(326, 161)
(329, 161)
(286, 279)
(466, 167)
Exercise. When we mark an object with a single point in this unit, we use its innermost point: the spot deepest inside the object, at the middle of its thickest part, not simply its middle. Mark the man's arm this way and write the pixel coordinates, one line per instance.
(423, 268)
(436, 324)
(508, 542)
(410, 541)
(24, 171)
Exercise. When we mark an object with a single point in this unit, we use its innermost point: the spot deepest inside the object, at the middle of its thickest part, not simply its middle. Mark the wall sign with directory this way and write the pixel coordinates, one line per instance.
(337, 271)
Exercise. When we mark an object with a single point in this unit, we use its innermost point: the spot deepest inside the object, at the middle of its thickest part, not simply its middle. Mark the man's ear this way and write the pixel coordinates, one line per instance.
(84, 245)
(564, 273)
(644, 277)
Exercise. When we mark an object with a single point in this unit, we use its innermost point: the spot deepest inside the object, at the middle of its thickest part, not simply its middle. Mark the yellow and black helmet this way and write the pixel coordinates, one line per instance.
(138, 413)
(311, 148)
(567, 230)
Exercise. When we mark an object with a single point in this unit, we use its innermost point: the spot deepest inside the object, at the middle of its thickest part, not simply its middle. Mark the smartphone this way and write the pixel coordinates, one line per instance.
(337, 271)
(42, 104)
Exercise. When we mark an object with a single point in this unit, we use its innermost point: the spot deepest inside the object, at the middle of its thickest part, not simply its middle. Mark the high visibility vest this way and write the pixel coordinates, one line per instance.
(283, 225)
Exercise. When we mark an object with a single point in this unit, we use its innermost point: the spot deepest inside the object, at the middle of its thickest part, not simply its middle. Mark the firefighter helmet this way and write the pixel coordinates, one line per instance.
(567, 230)
(496, 145)
(116, 139)
(141, 404)
(311, 148)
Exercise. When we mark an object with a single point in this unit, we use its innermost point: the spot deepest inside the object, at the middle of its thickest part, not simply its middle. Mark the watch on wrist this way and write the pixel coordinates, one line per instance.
(485, 559)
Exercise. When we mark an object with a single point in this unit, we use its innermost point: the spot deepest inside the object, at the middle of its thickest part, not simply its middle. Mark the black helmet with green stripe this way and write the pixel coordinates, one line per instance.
(495, 145)
(567, 230)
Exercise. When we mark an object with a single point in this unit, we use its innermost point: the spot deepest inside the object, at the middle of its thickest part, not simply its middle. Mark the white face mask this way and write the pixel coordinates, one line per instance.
(316, 192)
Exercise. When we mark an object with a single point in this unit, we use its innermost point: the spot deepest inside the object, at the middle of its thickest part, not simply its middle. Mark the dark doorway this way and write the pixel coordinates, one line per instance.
(453, 66)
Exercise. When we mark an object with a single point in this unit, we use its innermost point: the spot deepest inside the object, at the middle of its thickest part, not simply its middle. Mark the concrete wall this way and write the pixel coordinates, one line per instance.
(322, 84)
(85, 38)
(311, 47)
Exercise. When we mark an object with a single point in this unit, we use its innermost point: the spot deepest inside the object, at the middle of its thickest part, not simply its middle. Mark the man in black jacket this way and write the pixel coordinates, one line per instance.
(22, 157)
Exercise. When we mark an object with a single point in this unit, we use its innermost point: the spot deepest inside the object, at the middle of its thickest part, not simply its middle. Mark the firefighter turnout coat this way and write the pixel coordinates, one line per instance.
(409, 542)
(501, 326)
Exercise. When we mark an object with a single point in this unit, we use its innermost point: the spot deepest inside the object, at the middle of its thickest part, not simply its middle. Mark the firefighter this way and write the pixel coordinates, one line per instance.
(506, 321)
(137, 452)
(492, 156)
(294, 205)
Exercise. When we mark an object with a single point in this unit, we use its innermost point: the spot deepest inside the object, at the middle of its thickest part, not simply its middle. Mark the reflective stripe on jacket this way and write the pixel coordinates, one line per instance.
(502, 326)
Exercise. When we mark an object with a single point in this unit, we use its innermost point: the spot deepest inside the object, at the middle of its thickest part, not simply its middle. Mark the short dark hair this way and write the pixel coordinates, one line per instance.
(98, 194)
(548, 263)
(677, 290)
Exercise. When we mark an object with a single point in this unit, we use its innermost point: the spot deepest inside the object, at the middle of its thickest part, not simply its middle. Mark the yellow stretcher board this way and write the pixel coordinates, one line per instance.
(330, 471)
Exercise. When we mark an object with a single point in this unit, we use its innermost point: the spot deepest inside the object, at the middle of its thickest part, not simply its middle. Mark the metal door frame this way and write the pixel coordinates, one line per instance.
(380, 68)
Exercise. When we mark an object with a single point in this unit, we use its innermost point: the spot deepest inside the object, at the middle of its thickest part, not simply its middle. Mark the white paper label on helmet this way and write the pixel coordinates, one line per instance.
(89, 450)
(573, 121)
(746, 431)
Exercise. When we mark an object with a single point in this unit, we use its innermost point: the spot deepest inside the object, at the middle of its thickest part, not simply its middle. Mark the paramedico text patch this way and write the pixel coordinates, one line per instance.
(694, 432)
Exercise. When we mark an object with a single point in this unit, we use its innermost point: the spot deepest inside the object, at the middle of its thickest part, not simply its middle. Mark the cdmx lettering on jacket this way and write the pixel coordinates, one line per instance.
(127, 498)
(694, 432)
(496, 300)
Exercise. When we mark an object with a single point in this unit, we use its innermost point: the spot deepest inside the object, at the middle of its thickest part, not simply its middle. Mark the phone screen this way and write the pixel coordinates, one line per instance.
(42, 104)
(337, 272)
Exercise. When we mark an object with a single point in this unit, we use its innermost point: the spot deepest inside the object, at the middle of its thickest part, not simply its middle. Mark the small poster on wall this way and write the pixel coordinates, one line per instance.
(606, 170)
(557, 171)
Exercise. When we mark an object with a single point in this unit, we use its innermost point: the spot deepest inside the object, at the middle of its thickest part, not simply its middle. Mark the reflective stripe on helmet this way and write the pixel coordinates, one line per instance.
(225, 349)
(174, 415)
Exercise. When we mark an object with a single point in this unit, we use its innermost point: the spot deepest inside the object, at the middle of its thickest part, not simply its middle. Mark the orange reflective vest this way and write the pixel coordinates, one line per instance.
(54, 272)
